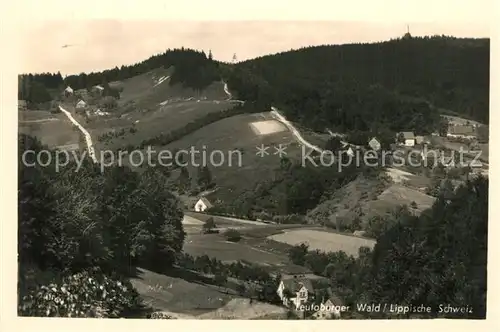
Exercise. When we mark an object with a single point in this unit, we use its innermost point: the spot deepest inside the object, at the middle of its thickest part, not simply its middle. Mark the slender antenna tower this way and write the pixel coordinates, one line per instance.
(407, 34)
(234, 58)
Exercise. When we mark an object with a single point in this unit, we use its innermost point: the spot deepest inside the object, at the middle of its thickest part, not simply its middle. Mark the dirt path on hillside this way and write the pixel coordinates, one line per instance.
(275, 113)
(88, 138)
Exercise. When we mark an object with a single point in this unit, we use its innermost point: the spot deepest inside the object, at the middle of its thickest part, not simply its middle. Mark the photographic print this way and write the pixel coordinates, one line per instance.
(253, 170)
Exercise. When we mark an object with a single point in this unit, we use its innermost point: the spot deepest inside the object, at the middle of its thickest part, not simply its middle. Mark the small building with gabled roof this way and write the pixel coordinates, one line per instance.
(81, 104)
(202, 204)
(408, 138)
(374, 144)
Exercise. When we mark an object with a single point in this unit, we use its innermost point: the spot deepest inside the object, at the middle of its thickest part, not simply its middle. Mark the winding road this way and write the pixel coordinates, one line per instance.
(88, 139)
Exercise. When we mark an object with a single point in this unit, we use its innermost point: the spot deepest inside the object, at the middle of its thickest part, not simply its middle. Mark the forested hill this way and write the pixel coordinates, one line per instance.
(395, 85)
(311, 83)
(193, 69)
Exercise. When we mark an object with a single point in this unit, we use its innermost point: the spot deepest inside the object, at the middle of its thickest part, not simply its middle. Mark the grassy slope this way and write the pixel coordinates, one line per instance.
(53, 133)
(371, 197)
(140, 106)
(235, 133)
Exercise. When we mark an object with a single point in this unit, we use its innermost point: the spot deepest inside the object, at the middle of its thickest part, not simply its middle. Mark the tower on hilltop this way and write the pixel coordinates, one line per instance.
(407, 35)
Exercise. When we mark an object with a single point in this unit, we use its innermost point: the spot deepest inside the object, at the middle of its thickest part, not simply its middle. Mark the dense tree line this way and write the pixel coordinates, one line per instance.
(325, 85)
(73, 221)
(35, 89)
(437, 258)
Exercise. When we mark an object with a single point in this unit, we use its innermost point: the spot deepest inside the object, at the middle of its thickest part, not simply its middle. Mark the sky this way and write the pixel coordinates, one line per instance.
(103, 43)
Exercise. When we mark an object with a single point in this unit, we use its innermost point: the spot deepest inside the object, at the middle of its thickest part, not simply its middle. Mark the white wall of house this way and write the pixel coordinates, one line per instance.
(200, 206)
(410, 142)
(81, 104)
(301, 297)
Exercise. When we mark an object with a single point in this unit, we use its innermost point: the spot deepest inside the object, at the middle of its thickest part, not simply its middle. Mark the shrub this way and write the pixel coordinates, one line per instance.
(209, 225)
(85, 294)
(232, 235)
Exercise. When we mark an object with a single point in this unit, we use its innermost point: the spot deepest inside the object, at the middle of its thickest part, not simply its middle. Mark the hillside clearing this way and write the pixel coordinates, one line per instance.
(267, 127)
(405, 196)
(234, 136)
(324, 241)
(215, 245)
(174, 294)
(52, 133)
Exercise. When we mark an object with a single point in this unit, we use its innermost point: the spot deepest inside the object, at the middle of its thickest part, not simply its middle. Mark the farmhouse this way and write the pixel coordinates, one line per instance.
(466, 131)
(202, 204)
(81, 104)
(97, 89)
(407, 138)
(331, 306)
(374, 144)
(68, 91)
(295, 291)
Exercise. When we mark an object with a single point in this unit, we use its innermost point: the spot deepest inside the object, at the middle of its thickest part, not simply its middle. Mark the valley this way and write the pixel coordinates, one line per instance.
(222, 239)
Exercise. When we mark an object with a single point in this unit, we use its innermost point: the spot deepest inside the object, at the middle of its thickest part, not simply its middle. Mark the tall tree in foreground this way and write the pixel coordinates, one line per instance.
(80, 228)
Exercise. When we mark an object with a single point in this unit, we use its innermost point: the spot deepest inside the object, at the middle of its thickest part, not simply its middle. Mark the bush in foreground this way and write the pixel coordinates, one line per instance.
(85, 294)
(232, 235)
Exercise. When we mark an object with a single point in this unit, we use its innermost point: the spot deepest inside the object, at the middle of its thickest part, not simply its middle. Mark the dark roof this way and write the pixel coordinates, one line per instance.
(206, 202)
(295, 283)
(462, 130)
(408, 134)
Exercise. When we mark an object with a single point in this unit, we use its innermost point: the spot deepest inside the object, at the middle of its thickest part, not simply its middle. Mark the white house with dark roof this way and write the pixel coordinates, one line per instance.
(331, 306)
(202, 204)
(81, 104)
(97, 89)
(295, 291)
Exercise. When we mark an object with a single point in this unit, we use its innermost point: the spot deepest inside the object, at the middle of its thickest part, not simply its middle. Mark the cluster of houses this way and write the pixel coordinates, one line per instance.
(82, 95)
(297, 293)
(409, 139)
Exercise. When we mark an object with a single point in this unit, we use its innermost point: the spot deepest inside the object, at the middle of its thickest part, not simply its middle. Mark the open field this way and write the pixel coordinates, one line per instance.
(267, 127)
(193, 299)
(324, 241)
(443, 142)
(153, 87)
(35, 116)
(151, 122)
(405, 195)
(215, 245)
(234, 137)
(176, 295)
(53, 133)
